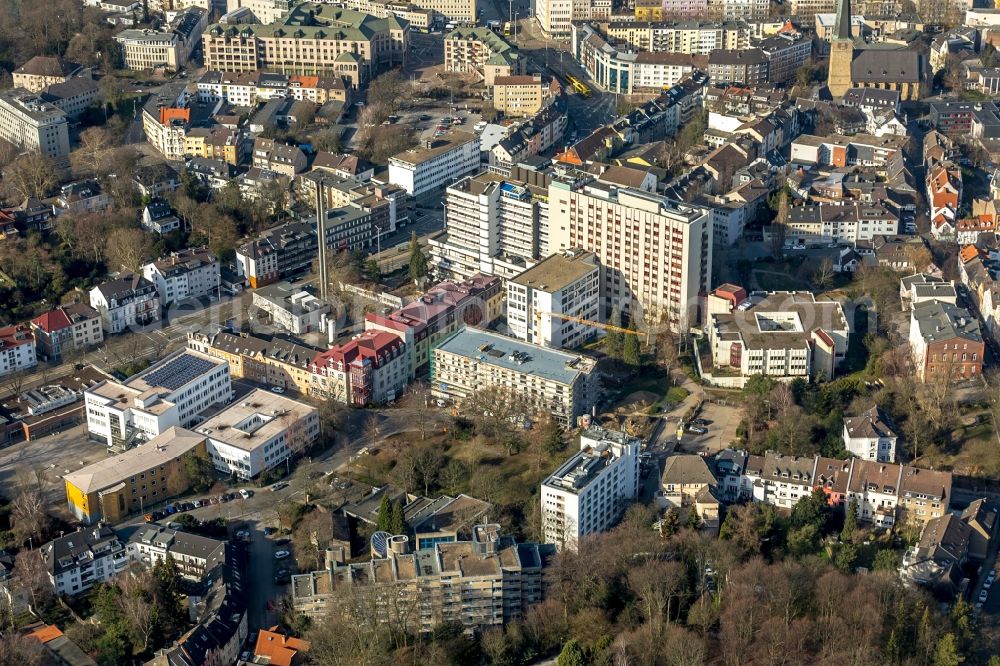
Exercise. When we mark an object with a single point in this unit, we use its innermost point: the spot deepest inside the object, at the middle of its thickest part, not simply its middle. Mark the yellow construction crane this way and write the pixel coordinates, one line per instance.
(588, 322)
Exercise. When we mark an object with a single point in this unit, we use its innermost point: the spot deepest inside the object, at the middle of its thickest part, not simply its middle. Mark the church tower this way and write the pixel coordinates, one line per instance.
(838, 78)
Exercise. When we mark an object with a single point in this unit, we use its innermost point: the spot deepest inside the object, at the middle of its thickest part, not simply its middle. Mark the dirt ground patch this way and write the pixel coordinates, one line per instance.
(647, 397)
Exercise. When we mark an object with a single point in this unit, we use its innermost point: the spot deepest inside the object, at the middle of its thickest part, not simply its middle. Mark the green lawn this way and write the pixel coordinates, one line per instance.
(776, 281)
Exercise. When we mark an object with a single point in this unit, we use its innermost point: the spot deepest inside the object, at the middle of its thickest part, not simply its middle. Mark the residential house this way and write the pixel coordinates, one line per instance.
(192, 273)
(945, 342)
(17, 349)
(127, 301)
(875, 488)
(158, 217)
(263, 360)
(780, 480)
(67, 328)
(870, 436)
(78, 561)
(369, 369)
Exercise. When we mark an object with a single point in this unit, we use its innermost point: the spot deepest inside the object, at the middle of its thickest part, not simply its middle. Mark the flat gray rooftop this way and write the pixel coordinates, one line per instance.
(501, 351)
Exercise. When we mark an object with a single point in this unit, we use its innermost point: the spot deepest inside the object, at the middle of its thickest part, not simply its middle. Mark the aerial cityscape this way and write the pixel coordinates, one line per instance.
(482, 332)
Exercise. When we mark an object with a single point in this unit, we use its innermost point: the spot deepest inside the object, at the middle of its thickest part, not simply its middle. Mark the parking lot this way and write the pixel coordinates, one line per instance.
(721, 423)
(51, 456)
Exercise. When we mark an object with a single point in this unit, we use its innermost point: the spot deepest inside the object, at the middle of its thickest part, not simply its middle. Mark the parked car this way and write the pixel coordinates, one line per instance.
(284, 541)
(277, 389)
(983, 596)
(700, 422)
(268, 531)
(278, 486)
(246, 493)
(243, 534)
(698, 430)
(281, 554)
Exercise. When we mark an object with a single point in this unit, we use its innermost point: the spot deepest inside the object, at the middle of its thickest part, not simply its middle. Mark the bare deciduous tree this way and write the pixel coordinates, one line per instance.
(31, 576)
(31, 175)
(129, 249)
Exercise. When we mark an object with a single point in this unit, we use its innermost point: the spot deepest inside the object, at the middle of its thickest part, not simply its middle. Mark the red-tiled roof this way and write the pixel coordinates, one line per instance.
(279, 648)
(51, 321)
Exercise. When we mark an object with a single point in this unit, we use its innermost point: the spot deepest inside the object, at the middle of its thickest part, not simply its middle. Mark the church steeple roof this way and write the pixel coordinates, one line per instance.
(842, 25)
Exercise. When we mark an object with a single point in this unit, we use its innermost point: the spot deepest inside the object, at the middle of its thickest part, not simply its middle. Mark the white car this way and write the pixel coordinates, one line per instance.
(245, 493)
(281, 554)
(277, 389)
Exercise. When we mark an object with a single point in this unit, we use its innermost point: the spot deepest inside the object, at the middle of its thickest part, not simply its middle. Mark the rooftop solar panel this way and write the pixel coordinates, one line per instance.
(178, 372)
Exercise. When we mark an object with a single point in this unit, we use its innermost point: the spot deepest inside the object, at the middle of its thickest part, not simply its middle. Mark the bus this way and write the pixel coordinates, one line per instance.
(579, 86)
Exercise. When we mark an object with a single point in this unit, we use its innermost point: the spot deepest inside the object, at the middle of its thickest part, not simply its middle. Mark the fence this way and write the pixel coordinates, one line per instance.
(389, 300)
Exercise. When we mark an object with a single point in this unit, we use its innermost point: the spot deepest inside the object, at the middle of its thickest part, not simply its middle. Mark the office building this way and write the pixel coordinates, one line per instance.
(18, 349)
(516, 229)
(556, 17)
(172, 392)
(550, 303)
(249, 88)
(656, 253)
(77, 562)
(33, 125)
(260, 431)
(74, 96)
(292, 308)
(371, 368)
(589, 493)
(191, 273)
(780, 334)
(628, 69)
(131, 481)
(442, 310)
(40, 72)
(551, 382)
(680, 37)
(311, 39)
(197, 557)
(170, 48)
(436, 162)
(128, 301)
(482, 51)
(485, 582)
(67, 328)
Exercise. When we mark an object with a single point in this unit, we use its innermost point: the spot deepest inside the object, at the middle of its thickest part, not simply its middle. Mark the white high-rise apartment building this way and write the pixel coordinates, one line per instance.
(32, 124)
(568, 284)
(589, 493)
(494, 225)
(656, 253)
